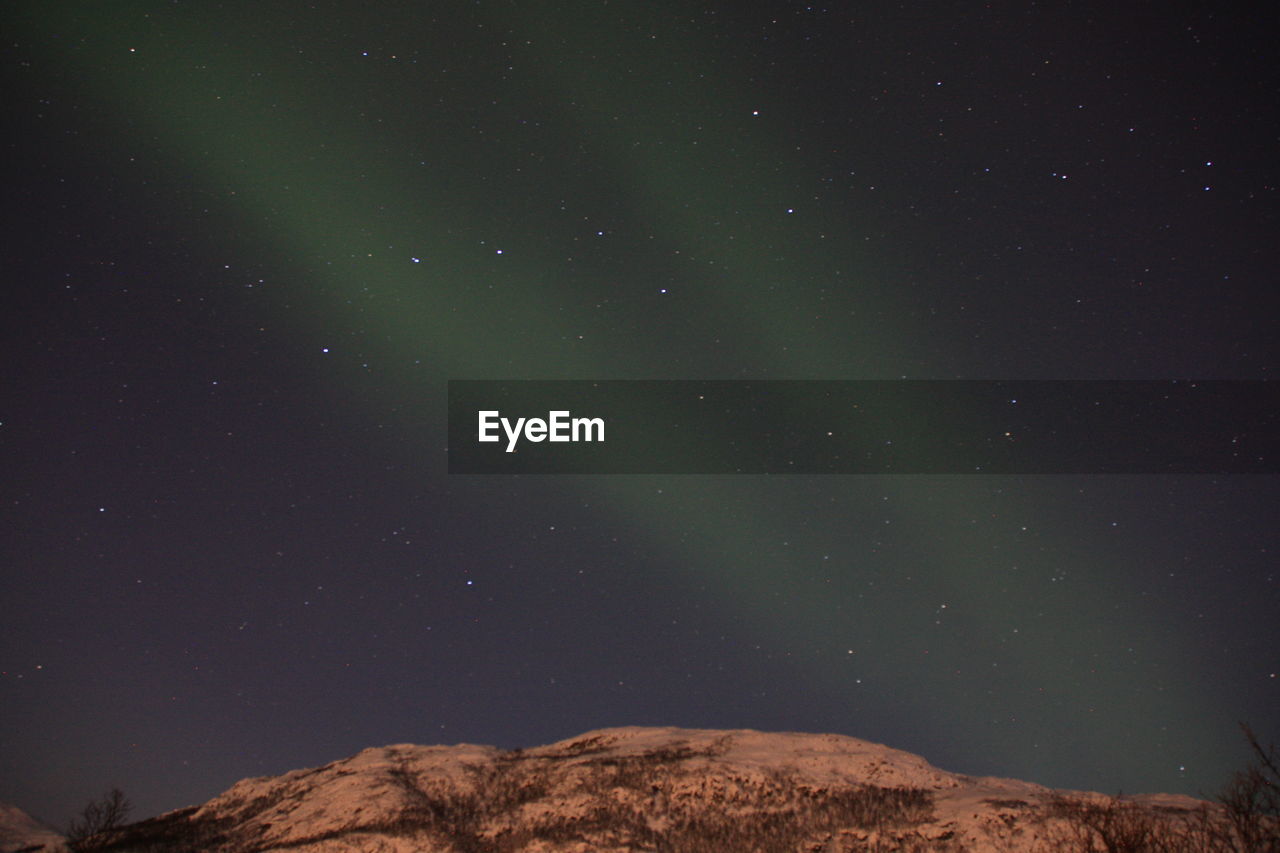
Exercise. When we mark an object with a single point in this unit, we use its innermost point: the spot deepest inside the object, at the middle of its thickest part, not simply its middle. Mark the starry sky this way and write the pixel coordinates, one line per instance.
(248, 244)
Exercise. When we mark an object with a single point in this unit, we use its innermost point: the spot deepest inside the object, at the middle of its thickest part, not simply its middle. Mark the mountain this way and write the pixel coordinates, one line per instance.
(21, 832)
(659, 789)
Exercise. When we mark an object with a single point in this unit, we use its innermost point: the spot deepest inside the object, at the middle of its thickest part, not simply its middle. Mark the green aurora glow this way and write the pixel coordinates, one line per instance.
(267, 134)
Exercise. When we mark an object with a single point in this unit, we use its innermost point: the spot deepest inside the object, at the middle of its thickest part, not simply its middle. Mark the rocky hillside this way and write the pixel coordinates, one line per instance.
(657, 789)
(20, 831)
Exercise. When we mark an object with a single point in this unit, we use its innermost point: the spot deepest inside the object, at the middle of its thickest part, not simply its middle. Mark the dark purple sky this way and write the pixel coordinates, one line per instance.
(247, 246)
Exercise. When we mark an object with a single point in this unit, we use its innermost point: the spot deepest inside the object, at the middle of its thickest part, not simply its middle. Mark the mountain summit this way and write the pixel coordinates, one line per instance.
(20, 831)
(653, 789)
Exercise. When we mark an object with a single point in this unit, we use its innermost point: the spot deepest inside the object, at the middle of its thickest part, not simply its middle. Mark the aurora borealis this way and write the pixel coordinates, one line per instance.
(249, 246)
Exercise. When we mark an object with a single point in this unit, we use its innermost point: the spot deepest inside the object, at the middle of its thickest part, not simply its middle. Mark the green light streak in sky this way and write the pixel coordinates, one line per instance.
(688, 148)
(313, 186)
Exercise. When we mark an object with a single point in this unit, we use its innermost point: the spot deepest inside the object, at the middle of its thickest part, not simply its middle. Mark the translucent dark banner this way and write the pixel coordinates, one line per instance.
(863, 427)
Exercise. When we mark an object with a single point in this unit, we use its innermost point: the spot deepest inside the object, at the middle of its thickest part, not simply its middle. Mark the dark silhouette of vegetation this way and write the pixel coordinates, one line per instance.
(93, 827)
(1105, 825)
(1243, 818)
(1251, 800)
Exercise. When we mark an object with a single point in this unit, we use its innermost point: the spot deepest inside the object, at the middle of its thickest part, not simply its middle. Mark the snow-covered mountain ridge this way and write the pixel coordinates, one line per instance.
(20, 831)
(631, 789)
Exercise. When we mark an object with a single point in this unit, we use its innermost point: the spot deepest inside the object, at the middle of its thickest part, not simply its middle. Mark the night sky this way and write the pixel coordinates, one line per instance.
(247, 244)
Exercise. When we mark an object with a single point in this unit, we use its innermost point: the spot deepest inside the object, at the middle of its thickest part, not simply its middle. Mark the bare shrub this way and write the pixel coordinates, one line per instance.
(1109, 825)
(92, 828)
(1251, 800)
